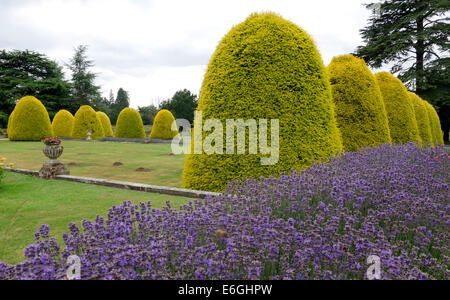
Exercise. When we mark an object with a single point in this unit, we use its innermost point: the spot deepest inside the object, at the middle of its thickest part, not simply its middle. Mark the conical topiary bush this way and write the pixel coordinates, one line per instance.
(359, 107)
(435, 124)
(265, 68)
(106, 124)
(129, 124)
(423, 121)
(63, 123)
(29, 121)
(162, 126)
(399, 108)
(86, 118)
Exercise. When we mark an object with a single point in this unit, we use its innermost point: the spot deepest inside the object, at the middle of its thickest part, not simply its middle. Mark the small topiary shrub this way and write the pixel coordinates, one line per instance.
(63, 123)
(265, 68)
(106, 124)
(435, 124)
(399, 108)
(29, 121)
(162, 126)
(359, 107)
(423, 121)
(86, 118)
(129, 124)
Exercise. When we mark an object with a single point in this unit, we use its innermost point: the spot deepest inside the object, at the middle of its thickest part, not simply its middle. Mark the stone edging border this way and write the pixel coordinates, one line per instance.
(123, 185)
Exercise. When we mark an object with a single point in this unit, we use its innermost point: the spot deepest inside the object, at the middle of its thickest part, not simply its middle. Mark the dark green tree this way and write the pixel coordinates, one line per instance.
(438, 94)
(413, 36)
(148, 113)
(84, 90)
(182, 105)
(122, 101)
(31, 73)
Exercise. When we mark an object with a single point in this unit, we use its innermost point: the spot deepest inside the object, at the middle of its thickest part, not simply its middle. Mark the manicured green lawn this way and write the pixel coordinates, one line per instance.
(27, 202)
(95, 159)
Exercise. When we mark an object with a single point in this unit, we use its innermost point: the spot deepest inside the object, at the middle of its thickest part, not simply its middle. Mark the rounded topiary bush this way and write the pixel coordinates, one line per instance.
(86, 118)
(423, 121)
(29, 121)
(106, 124)
(63, 123)
(265, 68)
(129, 124)
(359, 108)
(435, 124)
(399, 108)
(162, 126)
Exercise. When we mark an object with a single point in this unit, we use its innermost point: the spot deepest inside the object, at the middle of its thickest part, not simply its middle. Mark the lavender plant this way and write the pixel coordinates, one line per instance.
(322, 223)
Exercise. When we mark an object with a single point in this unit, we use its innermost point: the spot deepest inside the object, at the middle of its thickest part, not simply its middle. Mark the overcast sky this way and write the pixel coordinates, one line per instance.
(154, 48)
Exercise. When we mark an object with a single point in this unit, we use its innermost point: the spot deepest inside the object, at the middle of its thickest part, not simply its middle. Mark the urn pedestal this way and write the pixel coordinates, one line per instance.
(53, 166)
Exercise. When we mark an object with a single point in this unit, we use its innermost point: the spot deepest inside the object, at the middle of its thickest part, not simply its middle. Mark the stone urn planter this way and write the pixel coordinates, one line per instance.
(53, 167)
(53, 151)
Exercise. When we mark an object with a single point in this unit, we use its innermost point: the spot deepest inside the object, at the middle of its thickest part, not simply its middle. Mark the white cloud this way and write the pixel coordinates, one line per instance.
(153, 48)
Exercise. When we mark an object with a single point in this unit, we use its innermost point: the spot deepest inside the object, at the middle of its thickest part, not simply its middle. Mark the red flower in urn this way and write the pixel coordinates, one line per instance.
(52, 141)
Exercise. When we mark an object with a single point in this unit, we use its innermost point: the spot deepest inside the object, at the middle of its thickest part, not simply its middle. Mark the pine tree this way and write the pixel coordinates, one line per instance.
(84, 90)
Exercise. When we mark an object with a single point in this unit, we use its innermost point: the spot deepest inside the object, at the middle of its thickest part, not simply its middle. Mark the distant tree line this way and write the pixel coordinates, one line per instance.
(28, 72)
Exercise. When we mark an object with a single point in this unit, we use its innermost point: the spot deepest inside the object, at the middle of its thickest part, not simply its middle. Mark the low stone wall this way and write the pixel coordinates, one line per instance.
(124, 185)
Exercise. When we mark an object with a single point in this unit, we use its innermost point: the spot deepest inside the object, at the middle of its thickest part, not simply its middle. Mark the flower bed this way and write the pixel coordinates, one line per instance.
(390, 201)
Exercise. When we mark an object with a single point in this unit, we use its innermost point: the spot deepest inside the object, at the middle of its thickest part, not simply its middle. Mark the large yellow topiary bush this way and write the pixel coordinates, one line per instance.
(399, 108)
(359, 107)
(162, 126)
(86, 118)
(435, 124)
(29, 121)
(106, 124)
(129, 124)
(423, 121)
(63, 123)
(265, 68)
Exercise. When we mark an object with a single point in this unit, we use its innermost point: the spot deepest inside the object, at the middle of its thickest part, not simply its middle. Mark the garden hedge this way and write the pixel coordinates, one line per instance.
(423, 121)
(359, 107)
(63, 123)
(86, 118)
(106, 124)
(435, 124)
(129, 124)
(29, 121)
(399, 108)
(265, 68)
(162, 126)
